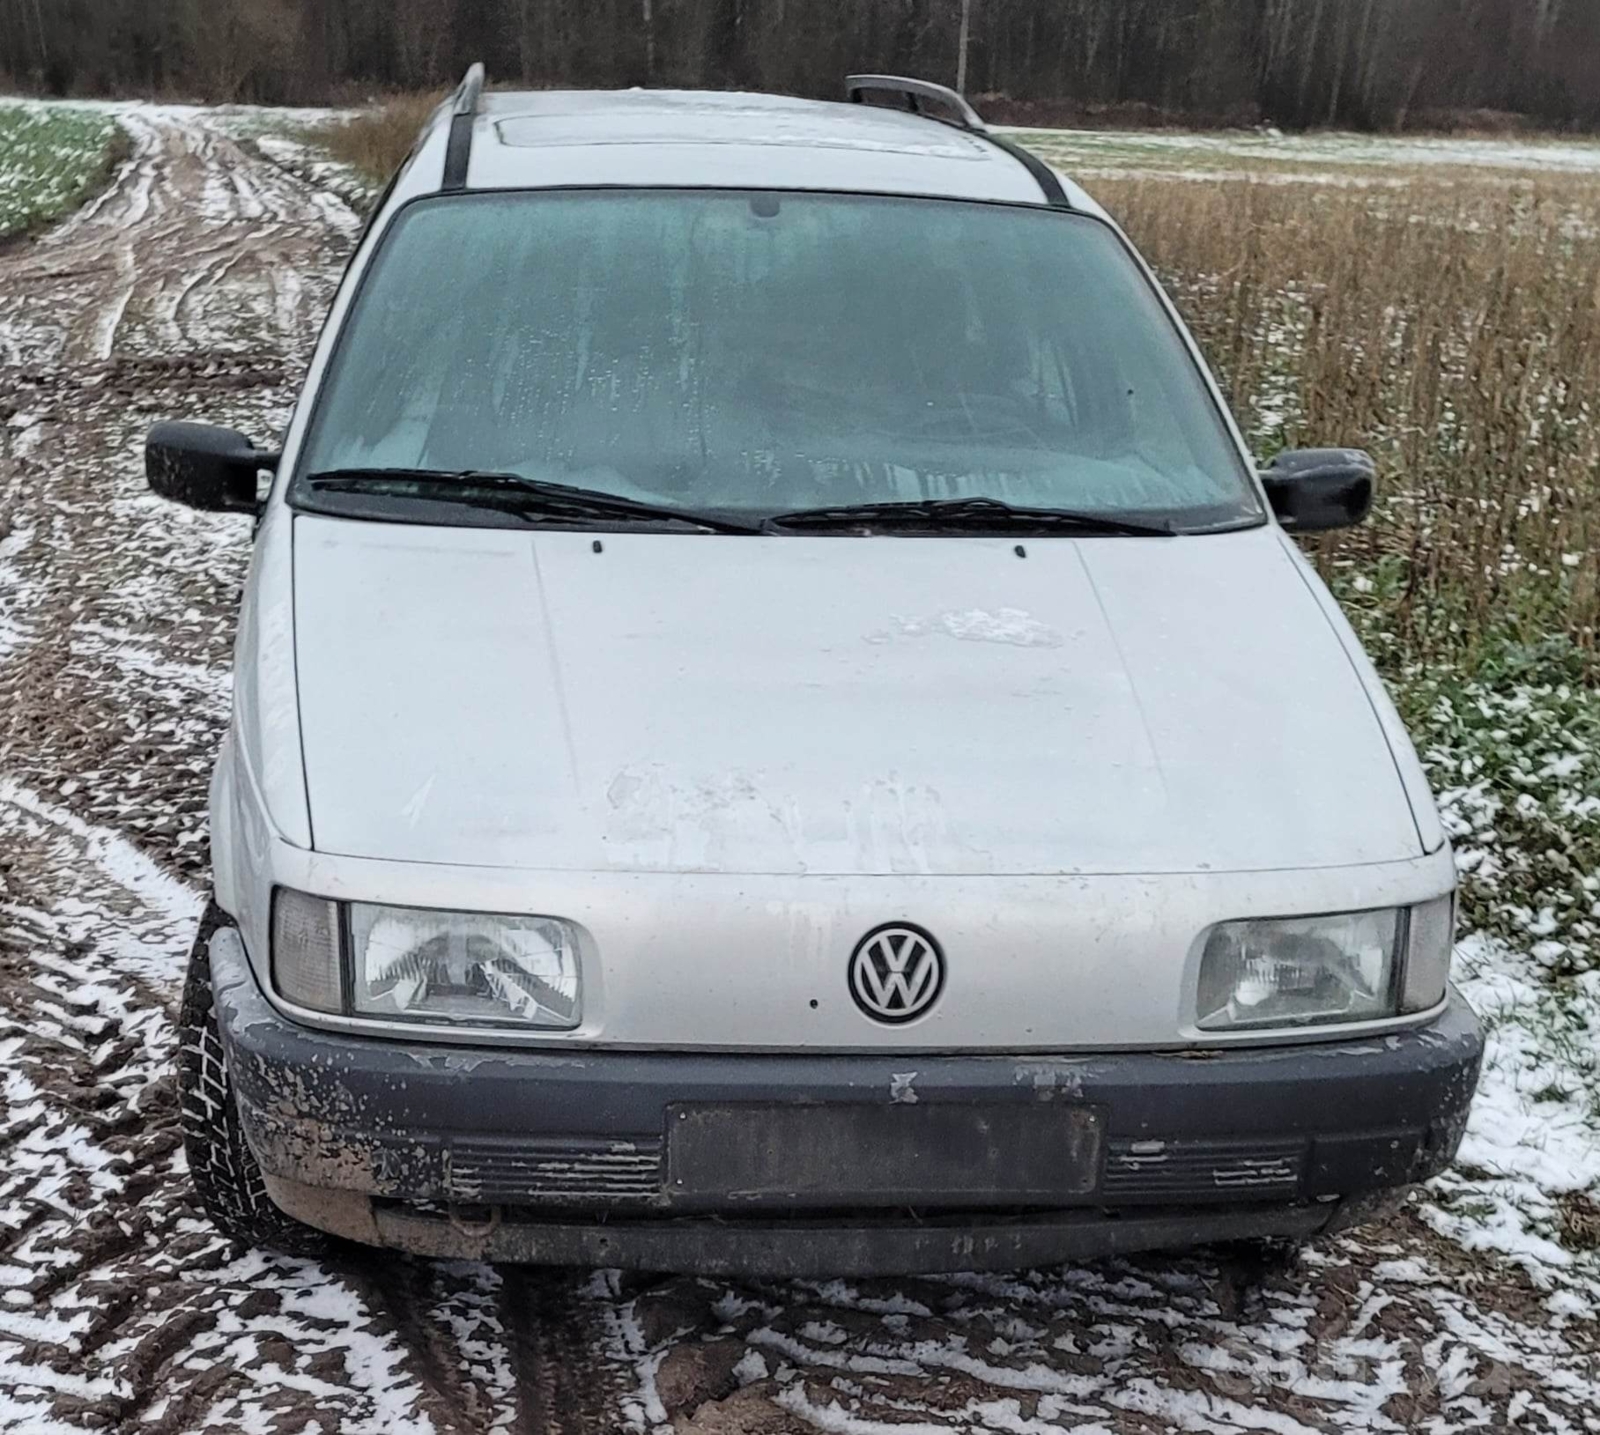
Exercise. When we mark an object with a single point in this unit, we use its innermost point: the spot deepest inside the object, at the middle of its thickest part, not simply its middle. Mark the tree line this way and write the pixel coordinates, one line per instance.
(1379, 64)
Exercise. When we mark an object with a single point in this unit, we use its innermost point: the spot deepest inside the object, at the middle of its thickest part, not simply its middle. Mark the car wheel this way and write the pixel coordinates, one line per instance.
(226, 1176)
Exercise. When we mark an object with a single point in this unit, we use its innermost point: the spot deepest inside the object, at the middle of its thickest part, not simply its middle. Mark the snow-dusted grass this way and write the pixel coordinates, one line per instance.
(51, 157)
(1530, 1163)
(1513, 748)
(1326, 157)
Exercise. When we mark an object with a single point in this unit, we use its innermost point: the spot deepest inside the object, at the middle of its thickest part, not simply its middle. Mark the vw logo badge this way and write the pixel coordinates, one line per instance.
(896, 973)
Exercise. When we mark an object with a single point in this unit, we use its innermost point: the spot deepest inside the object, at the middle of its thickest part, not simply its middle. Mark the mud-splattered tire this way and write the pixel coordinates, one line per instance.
(222, 1167)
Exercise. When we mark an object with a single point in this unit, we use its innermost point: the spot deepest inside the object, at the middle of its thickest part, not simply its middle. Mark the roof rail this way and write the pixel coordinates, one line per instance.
(463, 110)
(963, 116)
(914, 92)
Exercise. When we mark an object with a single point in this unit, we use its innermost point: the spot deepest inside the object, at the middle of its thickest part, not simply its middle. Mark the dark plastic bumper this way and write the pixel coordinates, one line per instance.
(643, 1158)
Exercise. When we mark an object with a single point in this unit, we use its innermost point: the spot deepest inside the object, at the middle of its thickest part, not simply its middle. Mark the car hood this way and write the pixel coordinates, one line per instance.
(703, 703)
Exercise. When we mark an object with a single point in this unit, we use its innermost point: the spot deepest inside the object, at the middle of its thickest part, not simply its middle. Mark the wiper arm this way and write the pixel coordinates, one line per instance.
(976, 514)
(530, 498)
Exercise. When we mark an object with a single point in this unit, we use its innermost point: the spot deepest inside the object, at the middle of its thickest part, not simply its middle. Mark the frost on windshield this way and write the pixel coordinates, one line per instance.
(749, 351)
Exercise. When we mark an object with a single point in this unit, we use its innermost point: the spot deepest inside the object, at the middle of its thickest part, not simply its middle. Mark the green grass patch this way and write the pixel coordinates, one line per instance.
(1510, 734)
(1509, 731)
(51, 160)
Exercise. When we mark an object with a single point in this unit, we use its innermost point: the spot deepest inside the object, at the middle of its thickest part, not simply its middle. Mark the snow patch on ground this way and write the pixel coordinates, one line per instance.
(1534, 1132)
(1346, 1344)
(298, 157)
(174, 906)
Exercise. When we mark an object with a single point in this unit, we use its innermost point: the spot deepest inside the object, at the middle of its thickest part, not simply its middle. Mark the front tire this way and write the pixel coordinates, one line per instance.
(226, 1175)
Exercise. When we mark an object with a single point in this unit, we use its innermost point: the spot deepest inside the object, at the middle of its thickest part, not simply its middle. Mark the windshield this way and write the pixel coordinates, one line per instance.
(758, 353)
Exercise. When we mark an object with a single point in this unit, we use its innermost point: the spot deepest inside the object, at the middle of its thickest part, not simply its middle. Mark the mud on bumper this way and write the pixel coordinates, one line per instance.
(792, 1164)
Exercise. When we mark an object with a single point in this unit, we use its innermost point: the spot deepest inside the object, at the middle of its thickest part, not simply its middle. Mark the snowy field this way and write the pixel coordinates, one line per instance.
(1314, 158)
(194, 287)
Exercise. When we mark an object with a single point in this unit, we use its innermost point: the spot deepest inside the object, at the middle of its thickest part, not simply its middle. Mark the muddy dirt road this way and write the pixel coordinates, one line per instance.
(194, 287)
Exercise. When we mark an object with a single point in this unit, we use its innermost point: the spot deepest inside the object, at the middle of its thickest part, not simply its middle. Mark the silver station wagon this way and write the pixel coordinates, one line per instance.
(779, 729)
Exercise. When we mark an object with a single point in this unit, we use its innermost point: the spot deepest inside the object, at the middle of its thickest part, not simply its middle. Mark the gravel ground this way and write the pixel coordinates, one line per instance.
(193, 287)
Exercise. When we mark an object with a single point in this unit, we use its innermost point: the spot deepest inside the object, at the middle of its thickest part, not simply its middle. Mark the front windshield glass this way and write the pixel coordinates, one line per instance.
(762, 353)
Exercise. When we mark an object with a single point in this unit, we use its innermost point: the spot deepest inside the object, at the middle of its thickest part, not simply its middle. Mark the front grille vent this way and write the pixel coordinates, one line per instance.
(521, 1172)
(1203, 1170)
(575, 1171)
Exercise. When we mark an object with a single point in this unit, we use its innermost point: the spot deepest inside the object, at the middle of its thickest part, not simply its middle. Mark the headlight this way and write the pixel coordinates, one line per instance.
(408, 964)
(1344, 967)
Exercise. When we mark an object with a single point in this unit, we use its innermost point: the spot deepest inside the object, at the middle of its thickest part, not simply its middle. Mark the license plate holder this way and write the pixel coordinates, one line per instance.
(842, 1153)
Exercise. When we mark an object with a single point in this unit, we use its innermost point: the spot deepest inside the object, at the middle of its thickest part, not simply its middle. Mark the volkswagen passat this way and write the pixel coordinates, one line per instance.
(778, 728)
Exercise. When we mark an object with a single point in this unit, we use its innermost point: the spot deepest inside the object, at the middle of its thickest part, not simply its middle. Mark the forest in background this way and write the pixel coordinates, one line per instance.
(1377, 64)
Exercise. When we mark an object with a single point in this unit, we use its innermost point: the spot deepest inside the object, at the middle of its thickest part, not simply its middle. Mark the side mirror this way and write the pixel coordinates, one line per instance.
(205, 467)
(1314, 489)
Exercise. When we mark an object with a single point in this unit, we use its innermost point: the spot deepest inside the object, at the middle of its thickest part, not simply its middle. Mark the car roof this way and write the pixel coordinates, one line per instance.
(689, 138)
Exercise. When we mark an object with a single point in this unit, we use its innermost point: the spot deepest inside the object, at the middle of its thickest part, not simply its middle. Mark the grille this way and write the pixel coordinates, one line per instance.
(524, 1172)
(1198, 1170)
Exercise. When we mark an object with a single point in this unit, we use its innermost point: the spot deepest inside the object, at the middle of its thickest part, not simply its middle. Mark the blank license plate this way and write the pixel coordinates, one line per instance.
(907, 1153)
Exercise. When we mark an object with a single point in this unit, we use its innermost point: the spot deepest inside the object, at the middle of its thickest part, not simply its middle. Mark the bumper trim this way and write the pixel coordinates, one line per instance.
(795, 1249)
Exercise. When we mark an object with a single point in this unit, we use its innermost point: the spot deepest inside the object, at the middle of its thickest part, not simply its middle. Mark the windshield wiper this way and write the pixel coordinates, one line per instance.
(530, 498)
(976, 514)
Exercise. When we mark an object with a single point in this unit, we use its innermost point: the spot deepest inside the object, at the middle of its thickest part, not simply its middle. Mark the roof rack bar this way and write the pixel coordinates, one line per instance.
(913, 92)
(1043, 176)
(463, 110)
(962, 116)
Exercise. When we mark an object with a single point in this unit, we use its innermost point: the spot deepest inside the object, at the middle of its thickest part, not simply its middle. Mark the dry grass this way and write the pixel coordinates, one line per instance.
(1453, 328)
(377, 140)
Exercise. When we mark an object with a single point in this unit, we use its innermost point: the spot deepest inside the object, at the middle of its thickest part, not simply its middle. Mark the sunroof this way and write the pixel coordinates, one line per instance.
(726, 125)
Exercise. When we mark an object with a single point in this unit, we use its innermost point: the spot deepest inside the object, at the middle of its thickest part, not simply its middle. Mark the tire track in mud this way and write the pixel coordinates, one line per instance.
(193, 286)
(91, 290)
(556, 1322)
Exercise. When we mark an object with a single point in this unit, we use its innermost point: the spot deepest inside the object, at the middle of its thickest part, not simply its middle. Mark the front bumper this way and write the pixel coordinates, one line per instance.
(644, 1159)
